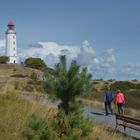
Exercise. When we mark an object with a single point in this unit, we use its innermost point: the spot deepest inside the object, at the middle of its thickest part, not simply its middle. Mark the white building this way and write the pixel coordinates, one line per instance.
(11, 49)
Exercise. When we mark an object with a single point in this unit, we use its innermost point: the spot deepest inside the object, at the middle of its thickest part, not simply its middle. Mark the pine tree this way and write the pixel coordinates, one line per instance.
(68, 83)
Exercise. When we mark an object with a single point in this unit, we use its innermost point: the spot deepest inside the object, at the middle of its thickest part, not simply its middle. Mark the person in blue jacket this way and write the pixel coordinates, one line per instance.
(108, 98)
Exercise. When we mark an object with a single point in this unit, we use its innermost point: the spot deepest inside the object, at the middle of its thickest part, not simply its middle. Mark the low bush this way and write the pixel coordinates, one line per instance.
(4, 59)
(34, 76)
(19, 75)
(124, 85)
(29, 88)
(36, 63)
(72, 126)
(34, 85)
(132, 99)
(42, 129)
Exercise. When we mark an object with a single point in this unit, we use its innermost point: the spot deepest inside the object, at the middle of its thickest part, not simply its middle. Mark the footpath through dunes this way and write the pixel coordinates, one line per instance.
(110, 121)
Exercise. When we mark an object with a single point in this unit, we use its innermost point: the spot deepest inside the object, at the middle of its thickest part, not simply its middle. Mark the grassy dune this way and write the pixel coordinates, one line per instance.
(16, 111)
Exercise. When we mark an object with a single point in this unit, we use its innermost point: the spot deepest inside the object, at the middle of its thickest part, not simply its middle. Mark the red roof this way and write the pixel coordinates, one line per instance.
(10, 23)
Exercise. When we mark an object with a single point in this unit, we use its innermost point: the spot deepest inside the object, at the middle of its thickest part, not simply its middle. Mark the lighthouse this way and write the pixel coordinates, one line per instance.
(11, 49)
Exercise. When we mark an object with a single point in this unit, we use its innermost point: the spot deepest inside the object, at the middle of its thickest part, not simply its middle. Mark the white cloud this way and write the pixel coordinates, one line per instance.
(96, 61)
(57, 49)
(51, 60)
(2, 47)
(103, 66)
(84, 54)
(132, 69)
(108, 59)
(50, 52)
(2, 43)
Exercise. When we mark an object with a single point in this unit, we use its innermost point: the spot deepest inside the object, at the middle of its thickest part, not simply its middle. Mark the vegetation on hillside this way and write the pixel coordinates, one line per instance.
(4, 59)
(131, 91)
(36, 63)
(124, 85)
(36, 119)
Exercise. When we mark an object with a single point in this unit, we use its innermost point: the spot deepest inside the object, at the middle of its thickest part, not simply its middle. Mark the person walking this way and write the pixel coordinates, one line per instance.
(120, 100)
(108, 98)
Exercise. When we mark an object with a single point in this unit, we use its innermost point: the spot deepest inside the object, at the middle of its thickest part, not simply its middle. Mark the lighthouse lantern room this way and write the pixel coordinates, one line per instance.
(11, 50)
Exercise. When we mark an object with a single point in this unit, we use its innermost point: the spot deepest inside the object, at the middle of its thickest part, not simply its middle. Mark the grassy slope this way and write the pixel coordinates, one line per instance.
(16, 111)
(132, 96)
(15, 114)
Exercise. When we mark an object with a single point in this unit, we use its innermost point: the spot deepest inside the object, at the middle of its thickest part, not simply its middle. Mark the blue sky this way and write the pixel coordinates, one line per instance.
(103, 35)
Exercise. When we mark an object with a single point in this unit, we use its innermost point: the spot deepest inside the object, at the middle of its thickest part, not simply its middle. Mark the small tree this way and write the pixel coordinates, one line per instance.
(70, 122)
(4, 59)
(36, 63)
(68, 83)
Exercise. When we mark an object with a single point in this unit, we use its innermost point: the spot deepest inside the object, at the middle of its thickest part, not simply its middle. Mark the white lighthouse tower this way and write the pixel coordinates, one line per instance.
(11, 49)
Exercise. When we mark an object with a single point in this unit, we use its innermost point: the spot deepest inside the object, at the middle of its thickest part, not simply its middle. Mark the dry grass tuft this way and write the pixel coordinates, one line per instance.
(15, 114)
(100, 132)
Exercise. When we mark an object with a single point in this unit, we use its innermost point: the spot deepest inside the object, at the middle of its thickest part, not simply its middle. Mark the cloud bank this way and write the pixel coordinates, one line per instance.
(85, 55)
(105, 66)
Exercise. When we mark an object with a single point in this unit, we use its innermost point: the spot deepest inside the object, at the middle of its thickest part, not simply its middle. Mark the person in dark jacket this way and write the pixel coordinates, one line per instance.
(108, 98)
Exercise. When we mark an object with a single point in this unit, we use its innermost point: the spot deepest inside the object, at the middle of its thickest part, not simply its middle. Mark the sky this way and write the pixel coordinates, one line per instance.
(102, 35)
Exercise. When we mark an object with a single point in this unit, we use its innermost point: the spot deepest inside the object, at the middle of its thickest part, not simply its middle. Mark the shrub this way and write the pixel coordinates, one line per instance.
(29, 87)
(14, 69)
(4, 59)
(34, 85)
(132, 99)
(95, 82)
(34, 76)
(73, 125)
(36, 63)
(111, 80)
(19, 75)
(16, 84)
(134, 80)
(122, 85)
(42, 129)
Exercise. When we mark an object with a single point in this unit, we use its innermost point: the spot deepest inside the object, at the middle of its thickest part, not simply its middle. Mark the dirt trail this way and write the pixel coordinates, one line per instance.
(98, 116)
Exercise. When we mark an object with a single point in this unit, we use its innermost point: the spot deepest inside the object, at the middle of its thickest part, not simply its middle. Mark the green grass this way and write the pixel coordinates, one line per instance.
(133, 99)
(15, 113)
